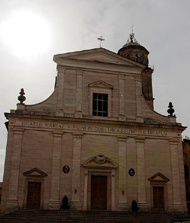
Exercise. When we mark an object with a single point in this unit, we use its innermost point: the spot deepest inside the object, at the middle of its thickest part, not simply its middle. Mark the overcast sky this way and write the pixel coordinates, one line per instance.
(31, 32)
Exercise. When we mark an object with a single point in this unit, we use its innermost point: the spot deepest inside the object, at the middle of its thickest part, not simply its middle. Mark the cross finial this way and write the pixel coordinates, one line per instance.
(132, 34)
(132, 28)
(101, 39)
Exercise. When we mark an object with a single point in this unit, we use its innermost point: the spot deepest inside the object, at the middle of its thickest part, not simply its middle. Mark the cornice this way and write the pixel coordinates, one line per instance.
(118, 124)
(98, 66)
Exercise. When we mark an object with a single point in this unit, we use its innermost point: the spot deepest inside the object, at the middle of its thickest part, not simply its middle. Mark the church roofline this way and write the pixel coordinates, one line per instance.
(72, 55)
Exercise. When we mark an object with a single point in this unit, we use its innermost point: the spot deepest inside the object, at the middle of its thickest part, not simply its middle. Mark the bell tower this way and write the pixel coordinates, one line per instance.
(132, 50)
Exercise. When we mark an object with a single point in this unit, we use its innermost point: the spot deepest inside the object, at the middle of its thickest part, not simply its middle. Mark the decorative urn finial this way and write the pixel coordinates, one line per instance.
(171, 110)
(21, 97)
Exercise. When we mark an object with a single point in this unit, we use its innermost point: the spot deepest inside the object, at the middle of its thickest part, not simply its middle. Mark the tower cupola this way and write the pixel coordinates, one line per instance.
(134, 51)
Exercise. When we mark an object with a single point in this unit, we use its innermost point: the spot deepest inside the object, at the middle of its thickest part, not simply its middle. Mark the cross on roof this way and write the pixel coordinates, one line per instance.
(101, 39)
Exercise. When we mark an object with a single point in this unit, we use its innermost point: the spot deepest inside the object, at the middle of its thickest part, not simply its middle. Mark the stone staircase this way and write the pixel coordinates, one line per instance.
(66, 216)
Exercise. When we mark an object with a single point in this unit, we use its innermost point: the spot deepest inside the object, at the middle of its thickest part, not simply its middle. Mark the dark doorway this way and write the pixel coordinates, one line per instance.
(158, 198)
(33, 195)
(99, 192)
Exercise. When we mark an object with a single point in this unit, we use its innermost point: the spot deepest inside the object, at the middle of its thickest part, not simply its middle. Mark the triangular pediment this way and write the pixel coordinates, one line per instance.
(100, 161)
(98, 55)
(158, 177)
(101, 84)
(35, 172)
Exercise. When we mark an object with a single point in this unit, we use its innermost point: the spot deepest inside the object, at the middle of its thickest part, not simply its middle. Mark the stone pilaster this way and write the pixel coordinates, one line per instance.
(121, 97)
(86, 190)
(139, 98)
(60, 90)
(12, 201)
(75, 195)
(141, 173)
(113, 190)
(79, 94)
(56, 171)
(177, 204)
(122, 173)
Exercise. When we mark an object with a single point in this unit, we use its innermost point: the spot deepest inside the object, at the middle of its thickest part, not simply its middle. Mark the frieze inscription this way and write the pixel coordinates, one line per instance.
(87, 128)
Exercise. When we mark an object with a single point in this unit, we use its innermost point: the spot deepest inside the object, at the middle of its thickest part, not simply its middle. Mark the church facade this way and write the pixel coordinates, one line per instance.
(96, 140)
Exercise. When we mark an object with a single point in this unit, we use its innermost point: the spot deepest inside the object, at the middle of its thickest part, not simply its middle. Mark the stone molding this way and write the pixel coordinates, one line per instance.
(121, 76)
(35, 172)
(61, 69)
(80, 72)
(138, 78)
(100, 84)
(158, 177)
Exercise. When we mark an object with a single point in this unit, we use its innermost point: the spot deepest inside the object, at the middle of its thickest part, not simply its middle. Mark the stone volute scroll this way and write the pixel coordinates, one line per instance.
(100, 161)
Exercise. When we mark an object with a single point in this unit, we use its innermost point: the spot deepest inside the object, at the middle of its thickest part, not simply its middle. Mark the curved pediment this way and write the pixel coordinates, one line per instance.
(100, 161)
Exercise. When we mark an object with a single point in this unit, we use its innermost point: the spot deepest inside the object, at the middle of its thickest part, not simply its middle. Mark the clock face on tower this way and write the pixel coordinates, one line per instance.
(136, 56)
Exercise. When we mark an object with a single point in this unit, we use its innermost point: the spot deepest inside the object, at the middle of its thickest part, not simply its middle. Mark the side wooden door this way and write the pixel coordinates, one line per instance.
(33, 195)
(158, 198)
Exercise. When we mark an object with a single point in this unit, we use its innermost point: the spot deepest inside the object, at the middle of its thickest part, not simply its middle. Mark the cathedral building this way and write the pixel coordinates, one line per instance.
(97, 140)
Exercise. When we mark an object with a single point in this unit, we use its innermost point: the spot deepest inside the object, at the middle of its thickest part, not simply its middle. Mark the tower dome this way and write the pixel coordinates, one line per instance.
(134, 51)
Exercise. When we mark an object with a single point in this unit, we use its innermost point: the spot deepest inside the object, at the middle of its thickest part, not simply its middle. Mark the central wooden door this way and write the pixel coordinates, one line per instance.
(158, 198)
(33, 195)
(99, 192)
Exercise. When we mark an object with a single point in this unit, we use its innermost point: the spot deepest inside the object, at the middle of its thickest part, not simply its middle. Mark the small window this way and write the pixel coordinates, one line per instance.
(100, 104)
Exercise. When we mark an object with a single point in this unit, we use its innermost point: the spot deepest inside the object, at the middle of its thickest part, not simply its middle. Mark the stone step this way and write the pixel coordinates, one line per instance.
(66, 216)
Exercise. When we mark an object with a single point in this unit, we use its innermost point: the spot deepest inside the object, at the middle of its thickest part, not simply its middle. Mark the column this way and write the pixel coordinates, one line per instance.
(12, 201)
(54, 202)
(121, 97)
(76, 175)
(175, 175)
(79, 94)
(141, 173)
(60, 91)
(122, 173)
(138, 85)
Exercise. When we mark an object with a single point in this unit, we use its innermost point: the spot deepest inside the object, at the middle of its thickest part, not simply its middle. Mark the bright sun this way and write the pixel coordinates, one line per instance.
(27, 34)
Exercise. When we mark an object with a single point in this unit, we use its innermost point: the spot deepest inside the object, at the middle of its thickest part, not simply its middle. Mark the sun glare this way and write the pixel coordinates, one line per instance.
(26, 34)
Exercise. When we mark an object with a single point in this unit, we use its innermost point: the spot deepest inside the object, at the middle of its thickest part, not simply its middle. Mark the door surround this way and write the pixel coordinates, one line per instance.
(158, 181)
(34, 176)
(99, 166)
